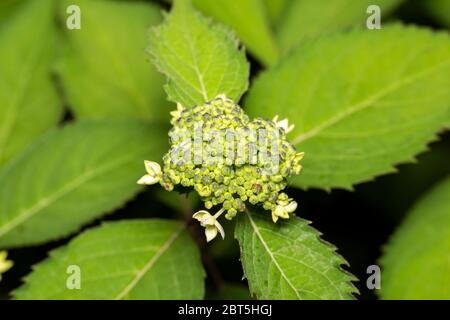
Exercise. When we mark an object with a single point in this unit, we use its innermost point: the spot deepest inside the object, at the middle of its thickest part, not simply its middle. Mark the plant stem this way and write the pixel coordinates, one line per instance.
(197, 234)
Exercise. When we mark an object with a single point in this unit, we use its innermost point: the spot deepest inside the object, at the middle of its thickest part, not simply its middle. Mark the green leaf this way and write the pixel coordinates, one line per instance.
(306, 19)
(7, 7)
(104, 66)
(28, 101)
(416, 260)
(134, 259)
(180, 203)
(440, 10)
(288, 260)
(250, 21)
(361, 102)
(72, 176)
(201, 60)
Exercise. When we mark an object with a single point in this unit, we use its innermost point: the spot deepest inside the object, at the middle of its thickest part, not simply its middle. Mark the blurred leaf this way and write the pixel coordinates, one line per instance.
(200, 60)
(232, 291)
(276, 9)
(7, 7)
(73, 176)
(288, 260)
(440, 9)
(249, 19)
(104, 67)
(28, 101)
(361, 102)
(416, 260)
(394, 200)
(306, 19)
(5, 264)
(134, 259)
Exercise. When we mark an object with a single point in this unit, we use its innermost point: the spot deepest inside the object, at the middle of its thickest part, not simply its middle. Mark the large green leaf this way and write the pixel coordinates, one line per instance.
(201, 60)
(361, 102)
(276, 9)
(250, 21)
(306, 19)
(288, 260)
(416, 260)
(440, 9)
(104, 67)
(134, 259)
(28, 101)
(72, 176)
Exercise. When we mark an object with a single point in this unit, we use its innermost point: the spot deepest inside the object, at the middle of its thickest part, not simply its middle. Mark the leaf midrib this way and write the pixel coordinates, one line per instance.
(47, 201)
(365, 103)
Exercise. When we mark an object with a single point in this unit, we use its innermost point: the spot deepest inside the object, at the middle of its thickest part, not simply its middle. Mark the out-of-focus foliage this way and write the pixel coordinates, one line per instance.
(416, 260)
(103, 66)
(28, 100)
(140, 259)
(439, 9)
(72, 176)
(289, 261)
(308, 19)
(201, 60)
(361, 101)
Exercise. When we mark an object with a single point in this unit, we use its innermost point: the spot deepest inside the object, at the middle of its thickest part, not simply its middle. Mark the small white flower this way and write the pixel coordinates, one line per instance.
(5, 265)
(282, 210)
(212, 226)
(297, 167)
(283, 124)
(210, 233)
(154, 173)
(177, 113)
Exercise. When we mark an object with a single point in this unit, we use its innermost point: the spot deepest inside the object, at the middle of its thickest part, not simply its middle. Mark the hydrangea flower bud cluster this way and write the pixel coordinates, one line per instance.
(229, 160)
